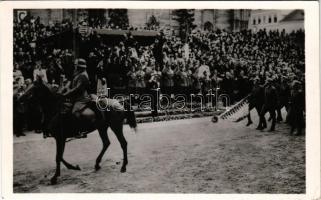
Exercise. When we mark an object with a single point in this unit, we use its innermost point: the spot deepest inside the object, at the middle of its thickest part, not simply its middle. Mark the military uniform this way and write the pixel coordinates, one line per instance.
(256, 100)
(78, 94)
(297, 107)
(270, 104)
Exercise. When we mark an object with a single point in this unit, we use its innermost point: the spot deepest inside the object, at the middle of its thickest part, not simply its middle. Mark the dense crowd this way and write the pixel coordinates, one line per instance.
(204, 60)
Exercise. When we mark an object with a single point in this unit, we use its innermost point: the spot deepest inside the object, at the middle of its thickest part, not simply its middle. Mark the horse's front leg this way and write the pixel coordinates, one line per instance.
(125, 162)
(106, 143)
(118, 130)
(60, 146)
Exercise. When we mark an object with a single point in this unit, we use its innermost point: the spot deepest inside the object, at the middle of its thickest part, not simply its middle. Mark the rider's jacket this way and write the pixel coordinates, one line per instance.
(79, 87)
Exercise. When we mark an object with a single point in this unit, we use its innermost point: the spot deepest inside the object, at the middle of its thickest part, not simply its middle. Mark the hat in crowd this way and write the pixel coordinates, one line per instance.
(28, 81)
(268, 80)
(296, 84)
(81, 63)
(275, 77)
(256, 79)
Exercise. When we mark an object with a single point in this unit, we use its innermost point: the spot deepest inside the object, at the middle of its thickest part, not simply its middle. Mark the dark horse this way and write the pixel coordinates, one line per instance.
(61, 126)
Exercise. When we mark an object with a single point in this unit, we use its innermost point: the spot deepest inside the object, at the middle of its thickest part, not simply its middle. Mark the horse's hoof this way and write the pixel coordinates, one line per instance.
(123, 170)
(97, 167)
(214, 119)
(77, 167)
(53, 181)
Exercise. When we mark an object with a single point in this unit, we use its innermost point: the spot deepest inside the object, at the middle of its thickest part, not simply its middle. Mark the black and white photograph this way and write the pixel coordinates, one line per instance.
(176, 100)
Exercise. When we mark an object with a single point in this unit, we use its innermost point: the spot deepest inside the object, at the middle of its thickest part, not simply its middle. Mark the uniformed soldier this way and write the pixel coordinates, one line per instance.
(297, 107)
(256, 99)
(78, 94)
(270, 104)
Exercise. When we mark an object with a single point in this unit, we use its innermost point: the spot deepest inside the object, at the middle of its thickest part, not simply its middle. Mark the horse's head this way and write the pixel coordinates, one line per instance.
(40, 92)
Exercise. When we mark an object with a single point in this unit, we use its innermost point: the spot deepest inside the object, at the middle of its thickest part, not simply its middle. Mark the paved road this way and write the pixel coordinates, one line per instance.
(185, 156)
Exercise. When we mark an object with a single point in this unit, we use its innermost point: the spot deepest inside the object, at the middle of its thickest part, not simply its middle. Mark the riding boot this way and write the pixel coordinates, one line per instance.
(299, 131)
(264, 125)
(273, 123)
(260, 126)
(76, 123)
(279, 118)
(292, 130)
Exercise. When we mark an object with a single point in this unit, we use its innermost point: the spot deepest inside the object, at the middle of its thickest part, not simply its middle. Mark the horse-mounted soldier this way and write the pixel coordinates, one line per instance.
(78, 92)
(64, 125)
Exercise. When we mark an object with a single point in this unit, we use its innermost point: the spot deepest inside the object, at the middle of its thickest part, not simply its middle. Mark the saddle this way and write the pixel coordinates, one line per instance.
(66, 108)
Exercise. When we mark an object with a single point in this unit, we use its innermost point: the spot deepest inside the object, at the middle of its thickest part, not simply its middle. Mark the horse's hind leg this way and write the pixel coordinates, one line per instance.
(60, 143)
(118, 130)
(105, 140)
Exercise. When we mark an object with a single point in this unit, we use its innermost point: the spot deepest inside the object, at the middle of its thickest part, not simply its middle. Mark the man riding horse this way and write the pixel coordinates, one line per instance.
(83, 116)
(78, 93)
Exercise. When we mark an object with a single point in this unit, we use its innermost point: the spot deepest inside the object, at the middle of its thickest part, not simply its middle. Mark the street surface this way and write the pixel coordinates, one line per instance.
(182, 156)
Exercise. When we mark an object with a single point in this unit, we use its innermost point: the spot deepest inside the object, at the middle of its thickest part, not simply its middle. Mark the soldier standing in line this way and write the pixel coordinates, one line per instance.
(297, 107)
(270, 104)
(256, 99)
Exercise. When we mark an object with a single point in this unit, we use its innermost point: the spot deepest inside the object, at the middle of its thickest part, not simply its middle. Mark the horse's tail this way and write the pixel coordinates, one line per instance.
(130, 115)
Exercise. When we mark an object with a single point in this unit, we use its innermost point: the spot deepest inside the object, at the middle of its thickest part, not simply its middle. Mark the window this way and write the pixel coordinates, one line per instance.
(254, 21)
(275, 19)
(270, 20)
(259, 21)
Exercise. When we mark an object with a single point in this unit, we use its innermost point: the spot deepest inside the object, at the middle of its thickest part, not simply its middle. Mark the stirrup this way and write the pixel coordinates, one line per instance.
(81, 135)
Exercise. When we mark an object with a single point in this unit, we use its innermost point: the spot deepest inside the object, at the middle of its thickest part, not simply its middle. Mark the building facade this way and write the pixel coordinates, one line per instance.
(287, 20)
(230, 20)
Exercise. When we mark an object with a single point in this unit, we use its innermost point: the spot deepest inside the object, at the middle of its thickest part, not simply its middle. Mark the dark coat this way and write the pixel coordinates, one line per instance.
(297, 107)
(270, 97)
(167, 76)
(257, 96)
(78, 93)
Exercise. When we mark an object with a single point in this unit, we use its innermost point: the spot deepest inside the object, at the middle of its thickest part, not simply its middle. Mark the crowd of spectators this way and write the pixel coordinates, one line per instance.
(202, 61)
